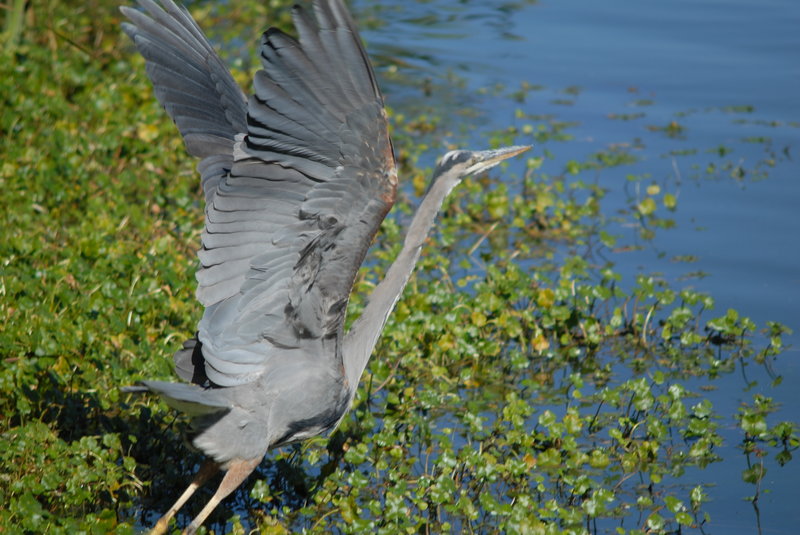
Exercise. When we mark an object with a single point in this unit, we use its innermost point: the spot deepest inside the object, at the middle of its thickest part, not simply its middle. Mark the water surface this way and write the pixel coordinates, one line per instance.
(728, 73)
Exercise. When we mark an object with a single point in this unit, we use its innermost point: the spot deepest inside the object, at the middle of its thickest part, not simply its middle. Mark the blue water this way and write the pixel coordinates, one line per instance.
(675, 60)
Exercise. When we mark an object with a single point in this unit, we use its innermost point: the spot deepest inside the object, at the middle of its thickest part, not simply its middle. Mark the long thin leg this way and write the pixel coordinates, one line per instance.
(237, 472)
(208, 469)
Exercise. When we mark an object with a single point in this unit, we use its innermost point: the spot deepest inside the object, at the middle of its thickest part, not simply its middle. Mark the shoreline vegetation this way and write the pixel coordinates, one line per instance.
(522, 385)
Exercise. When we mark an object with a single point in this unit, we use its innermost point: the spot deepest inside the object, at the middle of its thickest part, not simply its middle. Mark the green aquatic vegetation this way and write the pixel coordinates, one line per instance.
(523, 384)
(12, 26)
(673, 129)
(626, 116)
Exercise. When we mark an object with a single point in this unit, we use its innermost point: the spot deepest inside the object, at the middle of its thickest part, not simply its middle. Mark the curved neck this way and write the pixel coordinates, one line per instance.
(363, 335)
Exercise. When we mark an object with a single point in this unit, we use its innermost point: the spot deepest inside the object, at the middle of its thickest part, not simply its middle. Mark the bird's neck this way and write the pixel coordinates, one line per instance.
(365, 331)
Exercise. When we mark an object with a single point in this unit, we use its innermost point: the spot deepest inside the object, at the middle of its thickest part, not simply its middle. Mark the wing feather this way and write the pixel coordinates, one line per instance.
(297, 180)
(188, 77)
(311, 115)
(191, 82)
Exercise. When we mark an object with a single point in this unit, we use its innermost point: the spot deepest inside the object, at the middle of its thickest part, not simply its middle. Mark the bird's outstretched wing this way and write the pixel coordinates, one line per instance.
(310, 177)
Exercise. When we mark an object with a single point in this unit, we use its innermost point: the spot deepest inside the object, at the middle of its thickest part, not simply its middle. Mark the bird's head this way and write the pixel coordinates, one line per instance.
(458, 164)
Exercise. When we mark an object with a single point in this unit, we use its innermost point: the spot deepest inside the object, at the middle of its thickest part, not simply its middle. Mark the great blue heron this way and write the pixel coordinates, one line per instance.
(297, 179)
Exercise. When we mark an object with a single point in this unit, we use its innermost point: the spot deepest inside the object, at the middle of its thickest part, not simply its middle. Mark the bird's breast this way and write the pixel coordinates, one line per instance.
(310, 406)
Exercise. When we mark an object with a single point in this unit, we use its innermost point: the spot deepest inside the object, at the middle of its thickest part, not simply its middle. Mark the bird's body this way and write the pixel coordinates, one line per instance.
(241, 422)
(297, 179)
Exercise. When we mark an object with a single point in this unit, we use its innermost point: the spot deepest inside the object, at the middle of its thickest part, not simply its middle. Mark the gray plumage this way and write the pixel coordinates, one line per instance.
(297, 179)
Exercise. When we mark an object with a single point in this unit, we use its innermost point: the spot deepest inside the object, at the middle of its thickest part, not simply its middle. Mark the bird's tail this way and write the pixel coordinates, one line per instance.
(191, 399)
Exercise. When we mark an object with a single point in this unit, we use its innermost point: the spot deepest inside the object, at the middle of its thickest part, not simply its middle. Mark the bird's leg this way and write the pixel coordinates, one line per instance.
(238, 471)
(208, 469)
